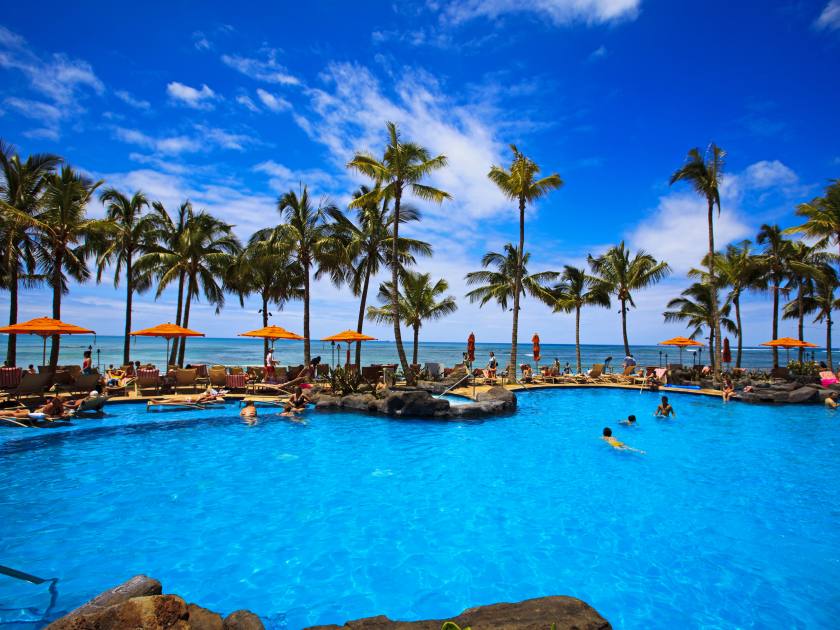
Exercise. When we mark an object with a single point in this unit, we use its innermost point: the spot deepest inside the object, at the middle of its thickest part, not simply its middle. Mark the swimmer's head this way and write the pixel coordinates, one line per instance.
(631, 419)
(607, 432)
(664, 400)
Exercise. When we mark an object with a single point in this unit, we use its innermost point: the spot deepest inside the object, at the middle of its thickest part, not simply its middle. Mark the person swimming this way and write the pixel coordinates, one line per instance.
(249, 410)
(630, 422)
(831, 401)
(609, 439)
(665, 409)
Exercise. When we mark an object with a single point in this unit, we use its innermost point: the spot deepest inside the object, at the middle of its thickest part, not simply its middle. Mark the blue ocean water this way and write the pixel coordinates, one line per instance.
(729, 519)
(242, 351)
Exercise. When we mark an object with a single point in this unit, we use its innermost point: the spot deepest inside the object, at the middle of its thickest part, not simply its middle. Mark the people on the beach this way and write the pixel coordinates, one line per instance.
(609, 439)
(608, 365)
(492, 365)
(269, 365)
(567, 369)
(87, 362)
(728, 389)
(630, 422)
(831, 401)
(665, 409)
(527, 373)
(629, 361)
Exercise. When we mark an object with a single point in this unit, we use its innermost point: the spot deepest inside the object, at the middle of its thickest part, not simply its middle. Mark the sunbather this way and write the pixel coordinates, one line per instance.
(73, 405)
(209, 396)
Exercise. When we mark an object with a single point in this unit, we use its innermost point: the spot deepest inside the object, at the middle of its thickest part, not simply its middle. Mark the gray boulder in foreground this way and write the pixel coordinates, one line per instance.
(567, 613)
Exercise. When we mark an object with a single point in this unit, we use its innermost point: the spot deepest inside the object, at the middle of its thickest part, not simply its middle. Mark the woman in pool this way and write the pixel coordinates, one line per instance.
(609, 439)
(665, 409)
(298, 400)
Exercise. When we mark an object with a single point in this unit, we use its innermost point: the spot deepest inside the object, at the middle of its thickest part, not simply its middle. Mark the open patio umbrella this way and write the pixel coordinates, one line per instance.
(167, 331)
(787, 343)
(45, 327)
(471, 348)
(680, 342)
(272, 332)
(349, 336)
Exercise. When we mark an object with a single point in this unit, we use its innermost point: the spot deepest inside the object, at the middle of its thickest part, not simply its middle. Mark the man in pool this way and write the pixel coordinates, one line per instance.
(630, 422)
(831, 401)
(621, 446)
(665, 409)
(249, 410)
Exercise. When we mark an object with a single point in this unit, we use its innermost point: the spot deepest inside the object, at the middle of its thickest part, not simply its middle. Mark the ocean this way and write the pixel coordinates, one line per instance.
(107, 350)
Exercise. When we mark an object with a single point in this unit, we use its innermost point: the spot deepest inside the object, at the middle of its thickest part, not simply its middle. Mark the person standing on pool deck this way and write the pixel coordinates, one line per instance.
(665, 409)
(269, 365)
(629, 361)
(492, 365)
(609, 439)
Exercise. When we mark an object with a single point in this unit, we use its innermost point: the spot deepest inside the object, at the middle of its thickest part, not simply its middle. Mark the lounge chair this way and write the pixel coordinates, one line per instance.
(201, 375)
(434, 370)
(371, 373)
(596, 372)
(147, 379)
(322, 372)
(236, 381)
(218, 376)
(31, 384)
(10, 377)
(83, 383)
(185, 378)
(780, 372)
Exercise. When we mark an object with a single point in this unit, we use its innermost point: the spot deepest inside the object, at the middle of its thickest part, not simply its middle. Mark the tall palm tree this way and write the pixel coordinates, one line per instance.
(805, 263)
(401, 170)
(132, 234)
(822, 216)
(704, 173)
(306, 233)
(695, 308)
(576, 290)
(519, 183)
(21, 186)
(367, 246)
(66, 236)
(774, 261)
(419, 301)
(822, 302)
(622, 275)
(266, 268)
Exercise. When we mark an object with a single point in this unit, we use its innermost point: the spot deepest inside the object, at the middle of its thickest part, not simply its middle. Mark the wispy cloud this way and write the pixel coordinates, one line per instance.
(127, 98)
(559, 12)
(201, 98)
(282, 178)
(272, 101)
(247, 102)
(203, 139)
(829, 19)
(598, 53)
(267, 70)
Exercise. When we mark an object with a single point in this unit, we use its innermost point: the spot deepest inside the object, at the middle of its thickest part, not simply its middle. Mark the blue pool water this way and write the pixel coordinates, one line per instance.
(729, 520)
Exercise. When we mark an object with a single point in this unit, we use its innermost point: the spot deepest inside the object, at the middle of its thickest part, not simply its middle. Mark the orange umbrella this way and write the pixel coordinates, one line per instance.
(536, 341)
(349, 336)
(272, 332)
(787, 343)
(167, 331)
(45, 327)
(680, 342)
(471, 348)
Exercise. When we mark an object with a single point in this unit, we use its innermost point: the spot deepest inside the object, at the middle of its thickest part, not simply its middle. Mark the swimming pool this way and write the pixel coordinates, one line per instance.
(729, 520)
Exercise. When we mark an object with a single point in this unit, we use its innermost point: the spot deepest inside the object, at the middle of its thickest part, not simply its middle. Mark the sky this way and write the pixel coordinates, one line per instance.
(232, 109)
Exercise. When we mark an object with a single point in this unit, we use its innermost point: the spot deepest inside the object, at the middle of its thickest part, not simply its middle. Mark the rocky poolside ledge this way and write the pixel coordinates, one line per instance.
(140, 603)
(420, 403)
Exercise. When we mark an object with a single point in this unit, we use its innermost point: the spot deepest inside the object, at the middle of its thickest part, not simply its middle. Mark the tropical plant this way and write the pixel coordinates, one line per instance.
(704, 173)
(576, 290)
(132, 233)
(805, 265)
(66, 236)
(401, 170)
(695, 309)
(622, 275)
(822, 216)
(822, 302)
(519, 183)
(21, 186)
(419, 301)
(774, 263)
(366, 246)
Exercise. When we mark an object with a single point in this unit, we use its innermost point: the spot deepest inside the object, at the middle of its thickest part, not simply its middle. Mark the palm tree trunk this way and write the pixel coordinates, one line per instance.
(775, 323)
(56, 309)
(416, 344)
(624, 326)
(577, 338)
(737, 302)
(306, 312)
(395, 306)
(129, 283)
(186, 321)
(713, 285)
(712, 359)
(828, 339)
(361, 321)
(177, 343)
(517, 287)
(11, 348)
(265, 322)
(801, 330)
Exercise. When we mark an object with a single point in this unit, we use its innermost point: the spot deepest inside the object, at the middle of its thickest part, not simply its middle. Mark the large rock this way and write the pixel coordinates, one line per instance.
(412, 403)
(243, 620)
(138, 586)
(358, 402)
(203, 619)
(498, 393)
(803, 394)
(153, 612)
(566, 613)
(325, 401)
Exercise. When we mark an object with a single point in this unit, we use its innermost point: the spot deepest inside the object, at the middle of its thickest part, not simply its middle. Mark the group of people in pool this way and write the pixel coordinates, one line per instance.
(294, 404)
(664, 411)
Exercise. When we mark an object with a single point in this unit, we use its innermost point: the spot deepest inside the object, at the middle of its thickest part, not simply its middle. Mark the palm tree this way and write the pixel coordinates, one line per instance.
(132, 234)
(622, 275)
(774, 262)
(695, 308)
(805, 266)
(576, 290)
(21, 186)
(822, 302)
(401, 170)
(822, 216)
(66, 236)
(366, 247)
(419, 301)
(266, 268)
(306, 234)
(704, 173)
(519, 183)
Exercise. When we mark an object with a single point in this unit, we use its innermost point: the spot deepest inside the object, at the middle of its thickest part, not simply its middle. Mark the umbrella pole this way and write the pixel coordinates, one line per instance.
(44, 354)
(166, 359)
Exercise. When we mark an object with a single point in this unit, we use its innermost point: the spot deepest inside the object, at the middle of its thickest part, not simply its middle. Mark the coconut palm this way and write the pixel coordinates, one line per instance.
(822, 302)
(576, 290)
(774, 263)
(805, 266)
(695, 308)
(366, 247)
(822, 216)
(622, 275)
(132, 234)
(519, 183)
(66, 236)
(419, 301)
(704, 173)
(266, 268)
(21, 186)
(401, 170)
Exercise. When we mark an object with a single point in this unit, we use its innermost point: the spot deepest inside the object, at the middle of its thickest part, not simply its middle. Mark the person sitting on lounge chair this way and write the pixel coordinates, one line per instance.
(53, 408)
(527, 373)
(73, 405)
(567, 369)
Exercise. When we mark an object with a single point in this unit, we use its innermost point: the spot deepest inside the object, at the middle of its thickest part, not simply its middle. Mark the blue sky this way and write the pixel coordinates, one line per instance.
(231, 109)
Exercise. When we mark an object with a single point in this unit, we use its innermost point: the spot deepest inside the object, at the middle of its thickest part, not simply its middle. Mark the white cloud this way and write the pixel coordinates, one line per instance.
(43, 133)
(129, 99)
(272, 101)
(201, 98)
(267, 70)
(829, 19)
(598, 53)
(282, 178)
(246, 102)
(224, 139)
(205, 137)
(560, 12)
(200, 41)
(36, 110)
(769, 173)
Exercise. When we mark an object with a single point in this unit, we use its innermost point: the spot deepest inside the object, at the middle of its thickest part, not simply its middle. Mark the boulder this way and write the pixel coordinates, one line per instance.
(562, 613)
(803, 394)
(786, 387)
(498, 393)
(243, 620)
(358, 402)
(327, 402)
(435, 387)
(203, 619)
(138, 586)
(153, 612)
(412, 403)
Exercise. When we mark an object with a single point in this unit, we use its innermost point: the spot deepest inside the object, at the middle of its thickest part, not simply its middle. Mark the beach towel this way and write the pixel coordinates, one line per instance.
(827, 378)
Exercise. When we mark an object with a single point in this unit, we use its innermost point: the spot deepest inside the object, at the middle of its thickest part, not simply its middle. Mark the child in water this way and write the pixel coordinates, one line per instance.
(609, 439)
(665, 409)
(630, 422)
